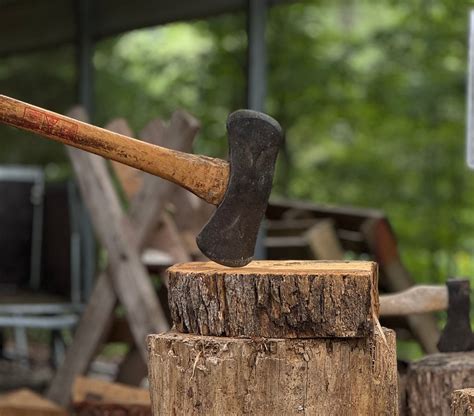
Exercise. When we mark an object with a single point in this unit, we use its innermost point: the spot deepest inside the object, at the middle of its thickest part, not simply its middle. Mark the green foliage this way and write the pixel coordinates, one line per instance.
(371, 95)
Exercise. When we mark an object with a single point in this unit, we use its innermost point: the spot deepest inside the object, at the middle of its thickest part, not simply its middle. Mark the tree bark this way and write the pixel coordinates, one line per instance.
(205, 375)
(462, 402)
(431, 381)
(286, 299)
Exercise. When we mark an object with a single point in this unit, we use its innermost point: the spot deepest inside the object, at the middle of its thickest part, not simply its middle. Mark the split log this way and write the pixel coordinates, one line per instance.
(286, 299)
(24, 402)
(462, 402)
(431, 381)
(92, 397)
(204, 375)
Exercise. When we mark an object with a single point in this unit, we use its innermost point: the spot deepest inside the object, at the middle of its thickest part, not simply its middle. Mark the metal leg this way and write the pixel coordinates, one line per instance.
(58, 348)
(21, 345)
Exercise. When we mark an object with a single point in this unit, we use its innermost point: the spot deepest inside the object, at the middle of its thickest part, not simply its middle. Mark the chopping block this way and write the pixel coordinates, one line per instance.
(274, 337)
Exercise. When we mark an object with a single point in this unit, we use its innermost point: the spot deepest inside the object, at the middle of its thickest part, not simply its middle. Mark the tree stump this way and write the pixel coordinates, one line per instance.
(462, 402)
(431, 381)
(294, 338)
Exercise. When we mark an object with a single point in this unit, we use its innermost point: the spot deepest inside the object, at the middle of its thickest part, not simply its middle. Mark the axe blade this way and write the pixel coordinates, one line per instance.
(229, 236)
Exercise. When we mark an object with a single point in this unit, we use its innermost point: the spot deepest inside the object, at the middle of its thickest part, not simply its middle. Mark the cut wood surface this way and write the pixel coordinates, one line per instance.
(462, 402)
(283, 299)
(204, 375)
(24, 402)
(431, 381)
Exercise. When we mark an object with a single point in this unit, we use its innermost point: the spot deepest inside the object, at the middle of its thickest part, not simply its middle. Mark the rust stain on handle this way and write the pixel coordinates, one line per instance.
(204, 176)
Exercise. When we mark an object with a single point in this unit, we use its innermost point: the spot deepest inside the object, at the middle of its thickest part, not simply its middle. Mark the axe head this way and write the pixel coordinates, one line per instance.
(230, 235)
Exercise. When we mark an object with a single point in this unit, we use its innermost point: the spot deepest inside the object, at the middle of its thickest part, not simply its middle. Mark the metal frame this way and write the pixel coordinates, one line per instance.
(257, 80)
(35, 176)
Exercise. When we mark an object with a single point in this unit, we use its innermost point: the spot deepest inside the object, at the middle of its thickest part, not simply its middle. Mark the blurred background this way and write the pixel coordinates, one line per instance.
(371, 95)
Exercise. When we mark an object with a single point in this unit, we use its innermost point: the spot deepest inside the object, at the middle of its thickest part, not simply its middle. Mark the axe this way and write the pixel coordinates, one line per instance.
(453, 298)
(240, 189)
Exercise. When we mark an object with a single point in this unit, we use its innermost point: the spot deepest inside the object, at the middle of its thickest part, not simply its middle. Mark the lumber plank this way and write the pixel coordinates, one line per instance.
(24, 402)
(99, 310)
(98, 397)
(115, 232)
(324, 242)
(284, 299)
(89, 335)
(92, 389)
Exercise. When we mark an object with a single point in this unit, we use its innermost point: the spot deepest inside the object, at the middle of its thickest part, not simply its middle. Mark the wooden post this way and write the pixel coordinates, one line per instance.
(431, 381)
(289, 337)
(462, 402)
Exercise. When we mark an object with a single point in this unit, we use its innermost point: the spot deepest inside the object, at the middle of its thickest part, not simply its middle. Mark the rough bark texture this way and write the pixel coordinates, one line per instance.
(462, 402)
(204, 375)
(285, 299)
(431, 381)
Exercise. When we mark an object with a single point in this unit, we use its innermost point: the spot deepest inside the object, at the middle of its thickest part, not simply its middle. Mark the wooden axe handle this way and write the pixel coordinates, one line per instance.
(417, 299)
(204, 176)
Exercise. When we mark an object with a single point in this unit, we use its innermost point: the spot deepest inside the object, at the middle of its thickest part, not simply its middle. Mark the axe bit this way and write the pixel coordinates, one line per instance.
(240, 189)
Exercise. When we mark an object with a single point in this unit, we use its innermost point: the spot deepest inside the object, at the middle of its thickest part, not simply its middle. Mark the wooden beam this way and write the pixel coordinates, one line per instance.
(25, 402)
(324, 242)
(89, 335)
(86, 388)
(99, 311)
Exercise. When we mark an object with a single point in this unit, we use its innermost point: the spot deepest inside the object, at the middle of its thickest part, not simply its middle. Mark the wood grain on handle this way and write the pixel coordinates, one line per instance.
(417, 299)
(204, 176)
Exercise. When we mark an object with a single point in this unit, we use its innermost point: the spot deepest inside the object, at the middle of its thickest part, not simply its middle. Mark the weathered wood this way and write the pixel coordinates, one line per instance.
(24, 402)
(324, 242)
(130, 178)
(383, 244)
(283, 299)
(115, 232)
(431, 381)
(132, 369)
(289, 227)
(98, 397)
(149, 202)
(86, 388)
(99, 311)
(148, 195)
(462, 402)
(208, 181)
(204, 375)
(417, 299)
(402, 367)
(89, 335)
(108, 409)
